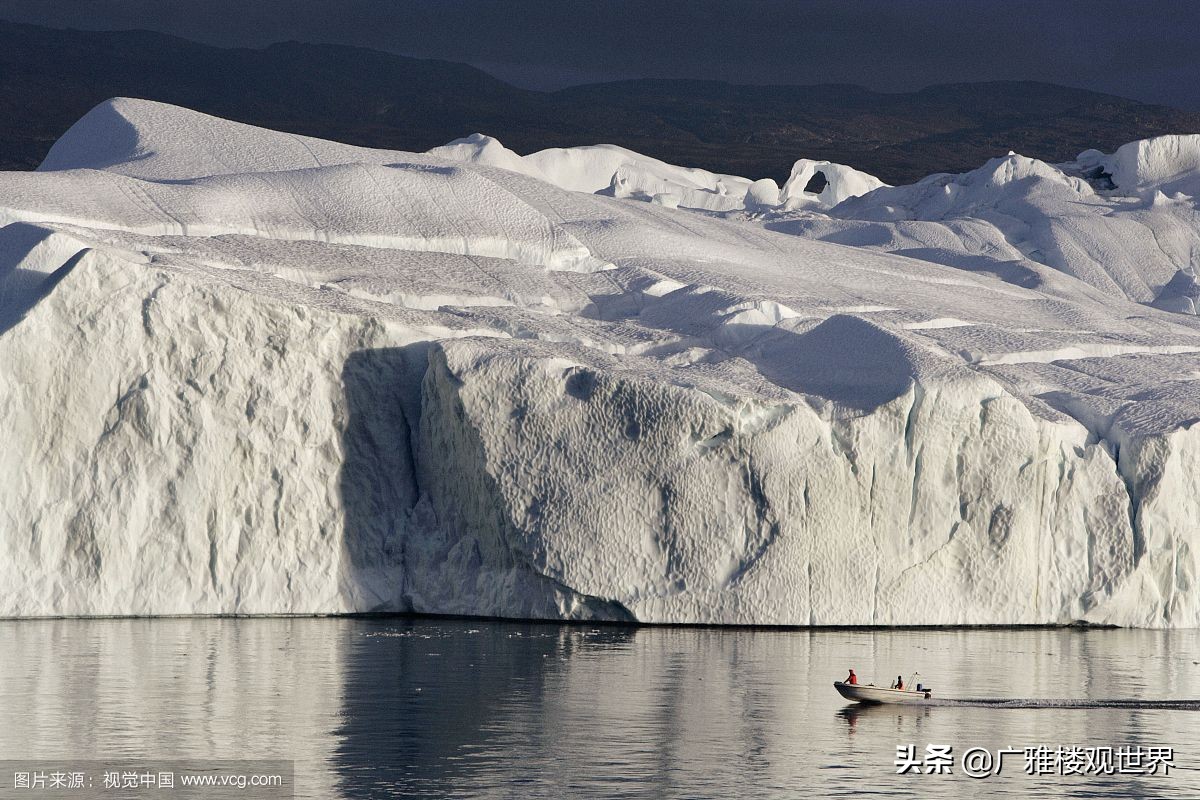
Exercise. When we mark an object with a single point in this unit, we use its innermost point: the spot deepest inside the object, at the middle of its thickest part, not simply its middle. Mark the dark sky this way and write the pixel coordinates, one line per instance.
(1145, 50)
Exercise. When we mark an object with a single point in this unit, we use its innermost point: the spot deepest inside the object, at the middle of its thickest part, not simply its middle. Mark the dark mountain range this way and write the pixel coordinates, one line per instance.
(49, 78)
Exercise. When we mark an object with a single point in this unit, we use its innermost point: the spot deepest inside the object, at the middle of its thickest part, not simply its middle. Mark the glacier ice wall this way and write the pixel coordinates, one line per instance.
(244, 372)
(151, 468)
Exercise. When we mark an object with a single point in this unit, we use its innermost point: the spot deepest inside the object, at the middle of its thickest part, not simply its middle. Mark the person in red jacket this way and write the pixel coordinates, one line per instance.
(853, 679)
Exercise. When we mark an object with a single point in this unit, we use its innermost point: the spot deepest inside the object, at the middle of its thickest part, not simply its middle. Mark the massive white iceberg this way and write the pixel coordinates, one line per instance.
(246, 372)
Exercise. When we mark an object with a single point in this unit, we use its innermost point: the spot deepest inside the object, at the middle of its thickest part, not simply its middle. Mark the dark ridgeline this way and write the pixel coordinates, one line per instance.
(49, 78)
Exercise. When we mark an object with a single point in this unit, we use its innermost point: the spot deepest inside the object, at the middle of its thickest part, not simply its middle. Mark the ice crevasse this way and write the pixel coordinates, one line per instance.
(247, 372)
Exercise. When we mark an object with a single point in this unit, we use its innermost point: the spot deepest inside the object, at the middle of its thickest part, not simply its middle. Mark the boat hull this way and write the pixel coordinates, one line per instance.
(878, 695)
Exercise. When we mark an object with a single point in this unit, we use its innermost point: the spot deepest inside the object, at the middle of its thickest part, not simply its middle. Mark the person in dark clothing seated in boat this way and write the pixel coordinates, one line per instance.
(899, 684)
(853, 679)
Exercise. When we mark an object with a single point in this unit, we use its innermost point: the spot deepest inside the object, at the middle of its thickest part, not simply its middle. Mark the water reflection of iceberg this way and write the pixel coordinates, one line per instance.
(173, 689)
(600, 711)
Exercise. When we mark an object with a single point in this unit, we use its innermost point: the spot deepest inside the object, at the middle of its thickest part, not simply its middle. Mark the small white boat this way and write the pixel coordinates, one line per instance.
(878, 695)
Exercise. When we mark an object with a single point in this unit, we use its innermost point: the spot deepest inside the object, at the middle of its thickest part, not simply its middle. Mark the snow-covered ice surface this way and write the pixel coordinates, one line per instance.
(248, 372)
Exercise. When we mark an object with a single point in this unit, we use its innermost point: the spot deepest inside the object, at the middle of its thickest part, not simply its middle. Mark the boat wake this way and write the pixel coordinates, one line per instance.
(1147, 705)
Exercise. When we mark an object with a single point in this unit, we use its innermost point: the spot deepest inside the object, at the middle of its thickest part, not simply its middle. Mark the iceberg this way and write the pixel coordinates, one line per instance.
(246, 372)
(618, 172)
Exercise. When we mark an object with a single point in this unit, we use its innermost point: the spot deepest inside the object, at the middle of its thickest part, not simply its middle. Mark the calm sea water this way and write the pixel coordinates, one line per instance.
(434, 708)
